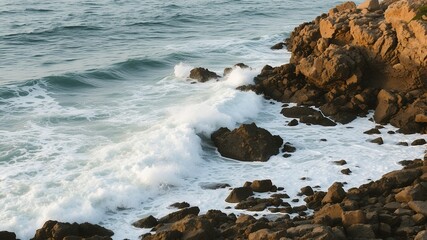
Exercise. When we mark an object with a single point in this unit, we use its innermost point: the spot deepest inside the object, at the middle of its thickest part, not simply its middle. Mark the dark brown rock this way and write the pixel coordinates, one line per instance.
(202, 74)
(178, 215)
(278, 46)
(372, 131)
(340, 162)
(239, 194)
(318, 120)
(180, 205)
(346, 171)
(247, 143)
(360, 231)
(5, 235)
(378, 141)
(287, 147)
(293, 122)
(147, 222)
(418, 142)
(57, 230)
(262, 185)
(307, 191)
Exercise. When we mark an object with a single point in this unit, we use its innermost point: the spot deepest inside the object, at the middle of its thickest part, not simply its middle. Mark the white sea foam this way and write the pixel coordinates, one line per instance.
(182, 70)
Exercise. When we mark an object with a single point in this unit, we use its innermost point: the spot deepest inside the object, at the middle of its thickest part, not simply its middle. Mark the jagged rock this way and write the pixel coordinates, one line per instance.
(386, 108)
(5, 235)
(202, 74)
(239, 194)
(278, 46)
(178, 215)
(335, 194)
(147, 222)
(57, 231)
(371, 5)
(247, 143)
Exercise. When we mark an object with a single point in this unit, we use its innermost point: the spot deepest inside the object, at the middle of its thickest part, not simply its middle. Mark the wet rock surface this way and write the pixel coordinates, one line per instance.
(371, 211)
(354, 59)
(247, 143)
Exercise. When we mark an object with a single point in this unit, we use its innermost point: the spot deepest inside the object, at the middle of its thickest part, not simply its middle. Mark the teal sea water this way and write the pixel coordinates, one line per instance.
(99, 123)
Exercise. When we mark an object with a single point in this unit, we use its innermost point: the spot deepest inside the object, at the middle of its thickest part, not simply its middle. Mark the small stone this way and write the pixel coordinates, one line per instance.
(340, 162)
(378, 141)
(147, 222)
(295, 200)
(287, 147)
(402, 144)
(391, 132)
(293, 122)
(323, 140)
(286, 155)
(346, 171)
(372, 131)
(418, 142)
(180, 205)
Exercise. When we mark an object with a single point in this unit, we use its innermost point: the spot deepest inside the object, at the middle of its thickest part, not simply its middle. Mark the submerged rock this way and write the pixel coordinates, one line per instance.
(247, 143)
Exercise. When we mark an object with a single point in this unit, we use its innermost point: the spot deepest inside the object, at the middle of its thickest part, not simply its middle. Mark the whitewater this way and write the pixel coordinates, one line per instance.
(99, 121)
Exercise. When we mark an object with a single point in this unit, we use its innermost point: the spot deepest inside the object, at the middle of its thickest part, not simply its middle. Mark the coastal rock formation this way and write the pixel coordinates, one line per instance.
(202, 74)
(247, 143)
(377, 210)
(57, 231)
(357, 58)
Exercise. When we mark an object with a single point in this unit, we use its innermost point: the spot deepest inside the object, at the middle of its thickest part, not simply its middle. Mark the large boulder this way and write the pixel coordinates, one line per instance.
(57, 231)
(247, 143)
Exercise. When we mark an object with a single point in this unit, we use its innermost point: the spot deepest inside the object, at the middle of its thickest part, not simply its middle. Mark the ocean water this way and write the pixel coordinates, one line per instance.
(99, 122)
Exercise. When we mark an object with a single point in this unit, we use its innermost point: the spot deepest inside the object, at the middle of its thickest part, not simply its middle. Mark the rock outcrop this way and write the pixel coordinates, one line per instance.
(202, 74)
(393, 207)
(247, 143)
(357, 58)
(58, 231)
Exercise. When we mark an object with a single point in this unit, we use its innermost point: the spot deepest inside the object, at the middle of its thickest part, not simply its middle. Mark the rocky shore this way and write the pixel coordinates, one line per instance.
(345, 63)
